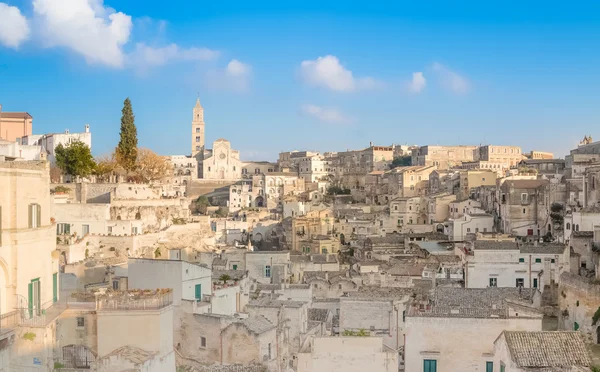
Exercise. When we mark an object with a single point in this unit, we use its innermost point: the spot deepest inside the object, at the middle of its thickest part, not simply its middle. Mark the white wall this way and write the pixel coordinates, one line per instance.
(348, 354)
(181, 276)
(458, 344)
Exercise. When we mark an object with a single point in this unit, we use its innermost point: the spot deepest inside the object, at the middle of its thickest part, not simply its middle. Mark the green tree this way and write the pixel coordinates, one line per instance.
(200, 205)
(75, 159)
(126, 152)
(402, 161)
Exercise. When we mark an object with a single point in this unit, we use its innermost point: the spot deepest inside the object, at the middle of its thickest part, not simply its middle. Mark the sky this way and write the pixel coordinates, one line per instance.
(278, 76)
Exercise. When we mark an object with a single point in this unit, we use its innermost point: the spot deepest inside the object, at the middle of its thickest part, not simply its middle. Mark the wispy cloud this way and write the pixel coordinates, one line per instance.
(418, 83)
(451, 80)
(327, 72)
(145, 56)
(326, 115)
(14, 27)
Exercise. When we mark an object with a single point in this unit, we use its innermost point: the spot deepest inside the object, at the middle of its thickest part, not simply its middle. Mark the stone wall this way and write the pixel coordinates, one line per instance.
(578, 300)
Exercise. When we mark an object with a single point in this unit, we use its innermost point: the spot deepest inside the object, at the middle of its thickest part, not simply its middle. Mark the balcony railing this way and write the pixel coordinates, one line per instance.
(10, 320)
(124, 302)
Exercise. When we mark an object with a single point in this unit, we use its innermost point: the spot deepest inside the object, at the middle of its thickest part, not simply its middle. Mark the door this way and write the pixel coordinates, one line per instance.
(535, 282)
(55, 287)
(198, 292)
(85, 229)
(34, 300)
(429, 365)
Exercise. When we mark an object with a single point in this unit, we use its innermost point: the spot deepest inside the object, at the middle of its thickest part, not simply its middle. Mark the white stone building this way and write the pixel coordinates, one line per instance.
(347, 354)
(189, 281)
(49, 142)
(458, 229)
(516, 351)
(509, 264)
(456, 330)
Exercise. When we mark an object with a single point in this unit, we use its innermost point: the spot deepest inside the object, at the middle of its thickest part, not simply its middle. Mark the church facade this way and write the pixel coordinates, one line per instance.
(219, 163)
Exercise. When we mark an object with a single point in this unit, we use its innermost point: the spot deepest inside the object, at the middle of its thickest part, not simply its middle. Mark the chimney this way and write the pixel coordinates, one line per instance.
(87, 128)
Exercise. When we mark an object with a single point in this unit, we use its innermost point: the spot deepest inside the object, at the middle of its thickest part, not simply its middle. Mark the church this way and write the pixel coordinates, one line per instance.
(219, 163)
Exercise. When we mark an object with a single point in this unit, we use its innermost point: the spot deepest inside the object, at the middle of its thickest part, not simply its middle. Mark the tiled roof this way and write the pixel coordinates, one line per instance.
(544, 248)
(525, 184)
(324, 258)
(15, 115)
(318, 315)
(583, 234)
(388, 239)
(473, 302)
(496, 244)
(547, 349)
(257, 324)
(267, 302)
(382, 293)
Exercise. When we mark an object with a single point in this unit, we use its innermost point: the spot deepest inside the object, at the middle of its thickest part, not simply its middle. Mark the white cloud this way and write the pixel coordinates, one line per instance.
(146, 56)
(236, 76)
(327, 115)
(87, 27)
(14, 28)
(328, 72)
(238, 69)
(417, 83)
(451, 80)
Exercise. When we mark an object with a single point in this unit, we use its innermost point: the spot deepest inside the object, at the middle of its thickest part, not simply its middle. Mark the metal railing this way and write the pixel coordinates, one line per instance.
(10, 320)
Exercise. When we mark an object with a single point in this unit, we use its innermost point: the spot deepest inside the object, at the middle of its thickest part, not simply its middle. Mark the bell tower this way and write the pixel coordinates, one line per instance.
(198, 130)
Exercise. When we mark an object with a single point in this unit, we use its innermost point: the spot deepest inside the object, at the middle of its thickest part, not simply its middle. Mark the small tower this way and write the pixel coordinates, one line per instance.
(198, 130)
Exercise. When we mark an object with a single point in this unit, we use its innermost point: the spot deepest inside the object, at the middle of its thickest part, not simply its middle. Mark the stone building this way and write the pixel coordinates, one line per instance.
(470, 180)
(15, 125)
(538, 155)
(49, 142)
(221, 162)
(510, 156)
(510, 264)
(347, 354)
(518, 351)
(475, 318)
(520, 202)
(409, 181)
(443, 157)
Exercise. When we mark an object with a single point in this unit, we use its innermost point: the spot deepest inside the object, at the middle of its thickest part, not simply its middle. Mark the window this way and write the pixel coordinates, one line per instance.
(267, 271)
(85, 229)
(493, 282)
(324, 250)
(568, 226)
(234, 267)
(468, 229)
(203, 342)
(35, 216)
(429, 365)
(524, 197)
(80, 321)
(395, 207)
(502, 367)
(197, 138)
(269, 347)
(523, 210)
(115, 285)
(552, 260)
(197, 130)
(535, 282)
(109, 229)
(538, 260)
(339, 286)
(520, 282)
(489, 366)
(63, 228)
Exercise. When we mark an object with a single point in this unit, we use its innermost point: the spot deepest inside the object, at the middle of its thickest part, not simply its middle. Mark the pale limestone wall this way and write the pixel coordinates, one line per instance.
(25, 253)
(69, 333)
(195, 326)
(181, 276)
(154, 364)
(581, 299)
(256, 266)
(95, 216)
(149, 330)
(243, 347)
(348, 354)
(224, 300)
(381, 317)
(435, 338)
(502, 356)
(34, 355)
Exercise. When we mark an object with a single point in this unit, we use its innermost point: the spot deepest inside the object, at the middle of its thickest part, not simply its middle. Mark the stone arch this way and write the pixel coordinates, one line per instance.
(259, 201)
(439, 228)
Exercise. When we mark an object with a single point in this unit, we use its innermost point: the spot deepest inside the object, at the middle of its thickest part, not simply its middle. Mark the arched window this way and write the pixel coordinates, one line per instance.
(568, 226)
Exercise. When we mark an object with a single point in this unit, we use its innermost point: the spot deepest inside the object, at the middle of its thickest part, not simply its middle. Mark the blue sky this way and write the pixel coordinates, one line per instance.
(328, 76)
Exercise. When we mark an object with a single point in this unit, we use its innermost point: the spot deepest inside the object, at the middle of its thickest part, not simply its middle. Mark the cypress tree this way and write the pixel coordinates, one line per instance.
(126, 151)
